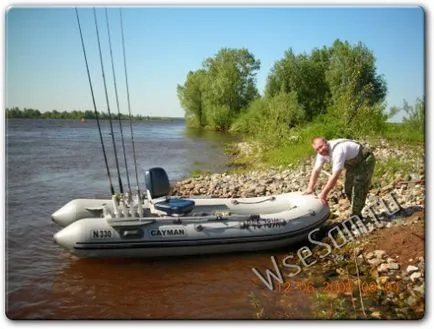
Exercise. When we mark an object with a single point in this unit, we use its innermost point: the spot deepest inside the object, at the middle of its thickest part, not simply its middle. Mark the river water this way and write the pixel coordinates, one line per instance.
(50, 162)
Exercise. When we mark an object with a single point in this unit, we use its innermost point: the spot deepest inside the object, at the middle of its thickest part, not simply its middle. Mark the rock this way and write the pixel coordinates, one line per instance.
(420, 289)
(415, 275)
(339, 258)
(411, 269)
(340, 271)
(411, 301)
(376, 315)
(375, 261)
(381, 225)
(371, 227)
(383, 268)
(394, 266)
(260, 190)
(379, 253)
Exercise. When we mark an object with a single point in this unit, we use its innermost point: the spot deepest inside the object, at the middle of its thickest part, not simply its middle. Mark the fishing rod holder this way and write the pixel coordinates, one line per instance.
(124, 205)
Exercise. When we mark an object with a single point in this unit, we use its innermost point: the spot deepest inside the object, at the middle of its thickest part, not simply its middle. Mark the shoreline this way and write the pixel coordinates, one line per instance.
(387, 256)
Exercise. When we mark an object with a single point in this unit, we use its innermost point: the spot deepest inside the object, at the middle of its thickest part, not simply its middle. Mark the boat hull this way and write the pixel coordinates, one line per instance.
(259, 225)
(146, 250)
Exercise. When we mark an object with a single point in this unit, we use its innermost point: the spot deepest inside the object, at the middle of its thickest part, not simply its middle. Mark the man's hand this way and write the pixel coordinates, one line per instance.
(308, 191)
(330, 184)
(323, 198)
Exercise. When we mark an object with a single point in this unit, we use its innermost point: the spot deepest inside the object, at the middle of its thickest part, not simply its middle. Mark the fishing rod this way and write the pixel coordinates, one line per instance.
(129, 105)
(108, 103)
(117, 101)
(94, 104)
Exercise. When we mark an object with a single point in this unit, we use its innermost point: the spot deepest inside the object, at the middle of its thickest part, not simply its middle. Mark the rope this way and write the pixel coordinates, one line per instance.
(253, 202)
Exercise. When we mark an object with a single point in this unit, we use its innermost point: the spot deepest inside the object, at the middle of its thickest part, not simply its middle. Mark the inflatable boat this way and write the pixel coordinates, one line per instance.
(170, 226)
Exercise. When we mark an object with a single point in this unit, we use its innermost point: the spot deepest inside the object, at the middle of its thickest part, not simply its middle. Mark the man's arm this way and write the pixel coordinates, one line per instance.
(330, 184)
(312, 181)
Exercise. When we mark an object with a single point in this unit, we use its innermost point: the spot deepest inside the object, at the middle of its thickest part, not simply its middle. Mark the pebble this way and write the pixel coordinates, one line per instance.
(394, 266)
(411, 269)
(383, 268)
(415, 275)
(379, 253)
(376, 315)
(375, 261)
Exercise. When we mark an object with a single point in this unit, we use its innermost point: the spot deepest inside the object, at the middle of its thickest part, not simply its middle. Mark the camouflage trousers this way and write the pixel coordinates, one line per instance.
(358, 177)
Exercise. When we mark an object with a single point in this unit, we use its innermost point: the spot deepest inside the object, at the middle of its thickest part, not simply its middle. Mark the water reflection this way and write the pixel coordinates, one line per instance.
(202, 287)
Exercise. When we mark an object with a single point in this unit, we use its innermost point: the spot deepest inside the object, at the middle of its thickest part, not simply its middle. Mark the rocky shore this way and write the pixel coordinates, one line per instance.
(408, 188)
(392, 254)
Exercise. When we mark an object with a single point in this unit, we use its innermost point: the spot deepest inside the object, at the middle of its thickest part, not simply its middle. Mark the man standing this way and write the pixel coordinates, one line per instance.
(358, 161)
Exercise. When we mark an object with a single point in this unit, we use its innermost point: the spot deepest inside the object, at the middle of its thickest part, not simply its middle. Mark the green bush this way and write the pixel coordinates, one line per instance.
(269, 119)
(220, 117)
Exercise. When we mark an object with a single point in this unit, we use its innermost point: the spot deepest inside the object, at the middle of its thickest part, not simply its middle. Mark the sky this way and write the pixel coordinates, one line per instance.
(45, 67)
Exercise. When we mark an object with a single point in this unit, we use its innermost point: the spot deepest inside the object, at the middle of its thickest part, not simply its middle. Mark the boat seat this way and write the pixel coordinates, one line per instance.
(158, 186)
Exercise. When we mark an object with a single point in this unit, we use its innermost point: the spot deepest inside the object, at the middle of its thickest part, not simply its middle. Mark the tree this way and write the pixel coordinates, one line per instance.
(232, 74)
(13, 113)
(89, 114)
(191, 97)
(26, 113)
(415, 115)
(215, 95)
(305, 75)
(353, 81)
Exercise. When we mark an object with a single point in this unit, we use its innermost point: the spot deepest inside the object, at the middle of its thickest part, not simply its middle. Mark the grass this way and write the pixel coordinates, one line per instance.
(330, 307)
(393, 166)
(398, 133)
(200, 172)
(289, 153)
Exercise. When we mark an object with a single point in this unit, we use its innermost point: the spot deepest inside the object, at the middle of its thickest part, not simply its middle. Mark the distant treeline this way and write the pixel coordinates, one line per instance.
(26, 113)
